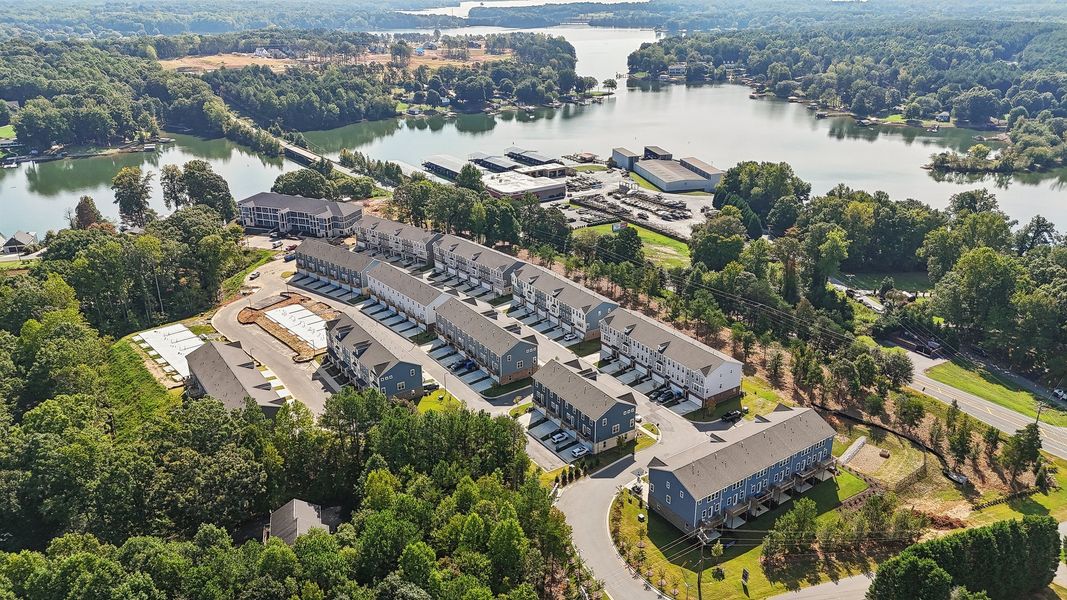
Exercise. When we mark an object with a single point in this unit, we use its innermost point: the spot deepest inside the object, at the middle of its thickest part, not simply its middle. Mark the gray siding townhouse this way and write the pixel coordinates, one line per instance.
(338, 265)
(690, 368)
(563, 303)
(367, 363)
(743, 471)
(228, 374)
(408, 295)
(596, 407)
(501, 354)
(298, 517)
(475, 263)
(407, 242)
(296, 214)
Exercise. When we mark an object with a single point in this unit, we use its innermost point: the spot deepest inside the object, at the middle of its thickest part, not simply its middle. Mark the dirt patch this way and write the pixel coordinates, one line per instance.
(868, 460)
(155, 369)
(303, 352)
(437, 58)
(204, 64)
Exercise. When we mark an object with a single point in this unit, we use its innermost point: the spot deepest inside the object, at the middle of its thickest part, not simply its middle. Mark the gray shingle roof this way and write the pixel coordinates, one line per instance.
(21, 238)
(478, 326)
(294, 519)
(625, 151)
(753, 446)
(363, 346)
(336, 255)
(446, 162)
(314, 206)
(228, 374)
(399, 230)
(567, 292)
(674, 345)
(478, 253)
(593, 395)
(412, 287)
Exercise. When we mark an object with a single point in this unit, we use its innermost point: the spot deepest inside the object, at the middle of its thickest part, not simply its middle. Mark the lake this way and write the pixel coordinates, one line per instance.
(717, 123)
(464, 8)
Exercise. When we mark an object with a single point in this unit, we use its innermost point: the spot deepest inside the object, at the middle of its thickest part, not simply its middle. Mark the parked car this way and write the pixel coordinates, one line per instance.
(254, 275)
(579, 451)
(290, 257)
(276, 245)
(559, 437)
(732, 417)
(1059, 394)
(431, 387)
(959, 478)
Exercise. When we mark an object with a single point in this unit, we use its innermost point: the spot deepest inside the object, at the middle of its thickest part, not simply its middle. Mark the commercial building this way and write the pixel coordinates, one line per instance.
(550, 170)
(563, 303)
(407, 242)
(17, 243)
(706, 170)
(529, 157)
(228, 374)
(672, 176)
(444, 165)
(475, 263)
(691, 369)
(367, 363)
(496, 164)
(407, 295)
(323, 261)
(624, 158)
(296, 214)
(743, 471)
(298, 517)
(599, 410)
(656, 153)
(498, 352)
(517, 185)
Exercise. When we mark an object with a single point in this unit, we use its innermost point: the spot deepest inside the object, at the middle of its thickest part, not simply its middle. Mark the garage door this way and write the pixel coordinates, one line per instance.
(658, 379)
(626, 361)
(487, 287)
(451, 270)
(642, 370)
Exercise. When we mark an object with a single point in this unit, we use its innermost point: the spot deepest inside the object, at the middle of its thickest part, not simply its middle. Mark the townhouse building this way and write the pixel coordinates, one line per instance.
(599, 410)
(323, 261)
(299, 215)
(407, 295)
(691, 369)
(230, 375)
(563, 303)
(367, 363)
(399, 240)
(498, 352)
(474, 263)
(743, 472)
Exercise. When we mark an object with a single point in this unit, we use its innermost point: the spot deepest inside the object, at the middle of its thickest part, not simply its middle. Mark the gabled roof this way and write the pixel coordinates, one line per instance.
(336, 255)
(21, 238)
(366, 349)
(478, 326)
(412, 287)
(294, 519)
(585, 388)
(228, 374)
(737, 453)
(625, 152)
(478, 253)
(398, 230)
(314, 206)
(680, 348)
(566, 292)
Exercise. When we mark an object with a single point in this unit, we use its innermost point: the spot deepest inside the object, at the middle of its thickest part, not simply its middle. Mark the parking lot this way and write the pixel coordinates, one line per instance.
(324, 288)
(396, 322)
(452, 282)
(658, 393)
(559, 443)
(465, 369)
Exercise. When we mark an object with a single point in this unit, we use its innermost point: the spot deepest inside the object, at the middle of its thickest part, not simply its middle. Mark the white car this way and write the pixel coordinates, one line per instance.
(1059, 393)
(559, 437)
(254, 275)
(579, 451)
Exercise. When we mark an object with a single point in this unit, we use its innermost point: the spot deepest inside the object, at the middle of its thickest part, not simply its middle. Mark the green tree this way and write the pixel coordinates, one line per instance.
(470, 177)
(304, 182)
(86, 213)
(132, 191)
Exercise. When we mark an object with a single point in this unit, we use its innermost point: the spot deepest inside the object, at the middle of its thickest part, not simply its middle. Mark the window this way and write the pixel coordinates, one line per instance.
(604, 422)
(615, 428)
(651, 487)
(681, 494)
(668, 498)
(508, 358)
(667, 484)
(413, 372)
(518, 365)
(400, 386)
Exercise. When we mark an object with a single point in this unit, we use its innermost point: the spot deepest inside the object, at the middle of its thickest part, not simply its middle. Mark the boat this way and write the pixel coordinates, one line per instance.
(862, 122)
(754, 96)
(821, 115)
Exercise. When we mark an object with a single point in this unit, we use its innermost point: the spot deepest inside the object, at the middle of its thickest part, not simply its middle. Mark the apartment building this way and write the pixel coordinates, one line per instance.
(498, 352)
(563, 303)
(399, 240)
(367, 363)
(475, 263)
(743, 472)
(407, 295)
(599, 410)
(230, 375)
(299, 215)
(323, 261)
(691, 369)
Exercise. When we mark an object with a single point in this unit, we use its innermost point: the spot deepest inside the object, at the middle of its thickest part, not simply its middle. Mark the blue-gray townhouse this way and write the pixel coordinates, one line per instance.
(596, 408)
(367, 363)
(743, 471)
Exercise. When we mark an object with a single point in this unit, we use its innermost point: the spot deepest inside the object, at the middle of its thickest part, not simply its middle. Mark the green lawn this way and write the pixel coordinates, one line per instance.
(658, 248)
(982, 384)
(588, 168)
(17, 265)
(1053, 504)
(683, 564)
(439, 400)
(202, 329)
(521, 409)
(135, 395)
(757, 395)
(7, 132)
(585, 348)
(642, 182)
(499, 390)
(907, 281)
(256, 259)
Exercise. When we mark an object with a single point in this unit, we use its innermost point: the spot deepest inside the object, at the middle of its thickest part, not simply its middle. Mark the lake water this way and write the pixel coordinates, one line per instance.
(464, 8)
(718, 124)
